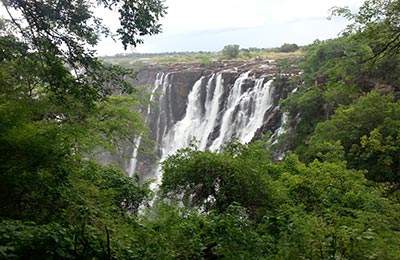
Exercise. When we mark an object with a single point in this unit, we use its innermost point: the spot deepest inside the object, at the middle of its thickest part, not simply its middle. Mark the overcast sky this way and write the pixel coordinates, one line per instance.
(208, 25)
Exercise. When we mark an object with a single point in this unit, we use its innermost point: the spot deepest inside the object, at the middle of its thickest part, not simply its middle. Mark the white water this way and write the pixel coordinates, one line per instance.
(160, 85)
(196, 124)
(215, 113)
(250, 107)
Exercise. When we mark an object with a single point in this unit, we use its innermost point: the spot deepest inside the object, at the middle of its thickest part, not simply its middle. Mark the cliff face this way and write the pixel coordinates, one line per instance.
(211, 104)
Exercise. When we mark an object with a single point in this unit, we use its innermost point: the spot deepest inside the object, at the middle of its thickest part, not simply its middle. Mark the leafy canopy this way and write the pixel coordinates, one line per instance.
(231, 51)
(58, 105)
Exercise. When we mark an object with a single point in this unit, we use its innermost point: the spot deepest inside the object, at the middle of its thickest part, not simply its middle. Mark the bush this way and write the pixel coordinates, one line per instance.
(231, 51)
(288, 47)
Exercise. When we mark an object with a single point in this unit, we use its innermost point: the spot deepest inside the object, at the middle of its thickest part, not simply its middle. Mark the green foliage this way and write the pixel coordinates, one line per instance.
(376, 24)
(230, 51)
(339, 124)
(213, 181)
(171, 232)
(339, 60)
(81, 219)
(341, 71)
(327, 208)
(21, 240)
(320, 211)
(140, 60)
(335, 214)
(112, 124)
(59, 104)
(245, 53)
(306, 108)
(333, 71)
(377, 21)
(368, 132)
(288, 47)
(121, 193)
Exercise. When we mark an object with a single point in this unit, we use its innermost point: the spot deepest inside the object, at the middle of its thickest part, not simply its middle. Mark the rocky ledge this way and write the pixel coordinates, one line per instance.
(187, 72)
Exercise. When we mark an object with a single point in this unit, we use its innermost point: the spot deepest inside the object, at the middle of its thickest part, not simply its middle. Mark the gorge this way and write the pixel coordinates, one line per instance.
(207, 105)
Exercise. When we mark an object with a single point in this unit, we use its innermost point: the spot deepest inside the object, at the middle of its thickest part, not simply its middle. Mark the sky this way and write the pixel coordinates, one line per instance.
(209, 25)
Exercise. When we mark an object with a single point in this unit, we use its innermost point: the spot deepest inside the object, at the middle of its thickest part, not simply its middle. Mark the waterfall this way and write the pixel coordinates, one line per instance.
(196, 124)
(219, 107)
(245, 111)
(160, 85)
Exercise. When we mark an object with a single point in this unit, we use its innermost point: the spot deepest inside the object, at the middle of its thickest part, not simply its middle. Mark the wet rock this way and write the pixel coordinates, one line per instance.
(171, 101)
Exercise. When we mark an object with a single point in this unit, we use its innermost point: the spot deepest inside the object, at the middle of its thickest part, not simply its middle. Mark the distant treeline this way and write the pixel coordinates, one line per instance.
(287, 47)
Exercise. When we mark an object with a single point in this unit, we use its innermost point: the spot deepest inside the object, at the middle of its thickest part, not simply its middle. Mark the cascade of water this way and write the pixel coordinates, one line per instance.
(133, 160)
(242, 114)
(261, 98)
(240, 118)
(159, 83)
(245, 111)
(215, 112)
(213, 99)
(196, 124)
(234, 97)
(164, 108)
(180, 134)
(283, 128)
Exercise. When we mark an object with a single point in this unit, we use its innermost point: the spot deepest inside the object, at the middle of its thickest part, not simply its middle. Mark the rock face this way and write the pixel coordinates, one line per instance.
(212, 105)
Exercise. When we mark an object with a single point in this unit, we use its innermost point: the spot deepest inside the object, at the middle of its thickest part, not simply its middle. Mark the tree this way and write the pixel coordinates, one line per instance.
(53, 60)
(376, 21)
(306, 109)
(368, 132)
(230, 51)
(322, 210)
(336, 72)
(376, 24)
(288, 47)
(331, 213)
(214, 181)
(333, 75)
(56, 93)
(58, 104)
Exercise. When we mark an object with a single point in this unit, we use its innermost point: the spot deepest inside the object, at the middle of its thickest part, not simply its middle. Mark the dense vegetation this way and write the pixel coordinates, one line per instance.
(334, 196)
(57, 109)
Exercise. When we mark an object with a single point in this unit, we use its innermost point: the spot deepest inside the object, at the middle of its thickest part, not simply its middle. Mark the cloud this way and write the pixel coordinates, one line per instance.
(193, 25)
(189, 15)
(194, 15)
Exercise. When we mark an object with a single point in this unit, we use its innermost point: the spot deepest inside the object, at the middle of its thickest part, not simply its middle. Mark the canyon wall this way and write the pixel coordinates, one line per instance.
(209, 105)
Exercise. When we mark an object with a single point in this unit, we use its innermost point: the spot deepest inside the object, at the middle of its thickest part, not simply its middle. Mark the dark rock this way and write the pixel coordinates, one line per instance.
(169, 108)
